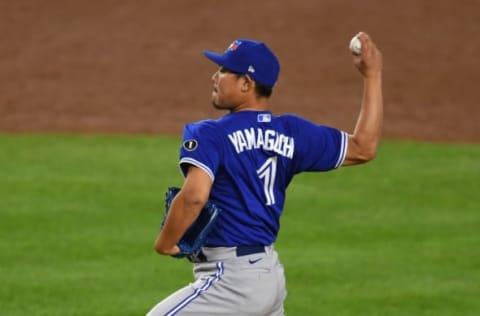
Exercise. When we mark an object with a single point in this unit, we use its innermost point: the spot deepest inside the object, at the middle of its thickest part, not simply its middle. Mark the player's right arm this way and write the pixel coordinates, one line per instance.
(185, 208)
(364, 141)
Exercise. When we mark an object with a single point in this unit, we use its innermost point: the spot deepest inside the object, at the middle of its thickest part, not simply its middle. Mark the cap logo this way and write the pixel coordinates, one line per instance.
(234, 45)
(251, 69)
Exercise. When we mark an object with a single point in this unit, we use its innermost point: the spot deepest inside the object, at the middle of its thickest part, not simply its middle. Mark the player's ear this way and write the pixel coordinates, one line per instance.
(248, 83)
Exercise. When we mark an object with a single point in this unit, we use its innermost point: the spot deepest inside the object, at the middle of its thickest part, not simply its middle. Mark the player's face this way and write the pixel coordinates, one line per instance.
(227, 89)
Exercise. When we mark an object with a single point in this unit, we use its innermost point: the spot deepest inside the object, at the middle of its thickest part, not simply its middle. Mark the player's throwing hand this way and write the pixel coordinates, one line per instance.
(369, 61)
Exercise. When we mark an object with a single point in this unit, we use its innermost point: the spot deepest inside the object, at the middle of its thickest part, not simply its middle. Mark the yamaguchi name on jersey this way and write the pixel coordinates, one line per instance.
(269, 140)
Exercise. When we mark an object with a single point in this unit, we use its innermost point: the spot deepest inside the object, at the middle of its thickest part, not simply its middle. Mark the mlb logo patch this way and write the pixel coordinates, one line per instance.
(234, 45)
(264, 117)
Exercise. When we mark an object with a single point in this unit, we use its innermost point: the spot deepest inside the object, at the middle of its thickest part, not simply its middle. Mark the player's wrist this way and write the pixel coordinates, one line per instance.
(373, 76)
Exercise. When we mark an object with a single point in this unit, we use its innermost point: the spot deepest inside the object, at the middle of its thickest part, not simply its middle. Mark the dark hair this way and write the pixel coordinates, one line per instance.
(263, 90)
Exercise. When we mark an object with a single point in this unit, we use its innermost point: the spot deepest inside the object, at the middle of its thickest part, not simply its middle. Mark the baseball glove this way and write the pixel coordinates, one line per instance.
(196, 235)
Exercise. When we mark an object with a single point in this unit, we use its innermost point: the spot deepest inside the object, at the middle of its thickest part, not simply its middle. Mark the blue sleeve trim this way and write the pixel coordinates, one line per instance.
(343, 149)
(198, 164)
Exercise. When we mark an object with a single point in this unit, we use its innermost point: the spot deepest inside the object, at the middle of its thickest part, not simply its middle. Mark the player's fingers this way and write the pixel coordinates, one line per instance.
(369, 49)
(366, 43)
(365, 48)
(369, 60)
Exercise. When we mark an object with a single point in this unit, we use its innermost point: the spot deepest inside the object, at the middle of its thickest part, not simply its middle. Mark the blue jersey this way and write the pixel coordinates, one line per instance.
(251, 158)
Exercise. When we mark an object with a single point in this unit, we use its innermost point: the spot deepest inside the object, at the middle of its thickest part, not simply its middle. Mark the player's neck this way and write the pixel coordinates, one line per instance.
(258, 104)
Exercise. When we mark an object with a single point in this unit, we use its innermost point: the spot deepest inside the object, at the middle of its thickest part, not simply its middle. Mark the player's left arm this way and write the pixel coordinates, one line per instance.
(185, 208)
(364, 142)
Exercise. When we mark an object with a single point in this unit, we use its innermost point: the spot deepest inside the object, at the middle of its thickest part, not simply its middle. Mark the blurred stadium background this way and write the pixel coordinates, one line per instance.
(93, 98)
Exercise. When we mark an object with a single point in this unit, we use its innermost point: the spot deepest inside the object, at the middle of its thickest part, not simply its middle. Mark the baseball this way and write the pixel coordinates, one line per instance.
(356, 45)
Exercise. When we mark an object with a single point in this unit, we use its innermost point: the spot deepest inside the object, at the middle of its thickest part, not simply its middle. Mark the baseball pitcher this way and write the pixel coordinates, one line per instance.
(225, 217)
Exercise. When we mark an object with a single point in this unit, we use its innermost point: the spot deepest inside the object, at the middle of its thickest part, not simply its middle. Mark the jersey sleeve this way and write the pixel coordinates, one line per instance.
(201, 147)
(318, 147)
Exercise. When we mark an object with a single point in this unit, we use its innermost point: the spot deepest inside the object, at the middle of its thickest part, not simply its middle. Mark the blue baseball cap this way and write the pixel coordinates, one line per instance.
(249, 57)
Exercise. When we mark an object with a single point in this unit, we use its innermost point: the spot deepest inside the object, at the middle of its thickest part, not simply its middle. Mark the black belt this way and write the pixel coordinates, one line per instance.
(240, 251)
(249, 250)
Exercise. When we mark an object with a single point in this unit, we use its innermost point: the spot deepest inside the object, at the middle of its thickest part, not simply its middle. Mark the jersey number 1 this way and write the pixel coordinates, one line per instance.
(267, 173)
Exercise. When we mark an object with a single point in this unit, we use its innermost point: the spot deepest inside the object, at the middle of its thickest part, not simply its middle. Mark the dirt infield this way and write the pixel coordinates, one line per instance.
(137, 66)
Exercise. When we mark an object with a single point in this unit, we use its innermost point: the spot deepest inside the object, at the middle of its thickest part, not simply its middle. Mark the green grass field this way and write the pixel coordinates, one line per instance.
(79, 213)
